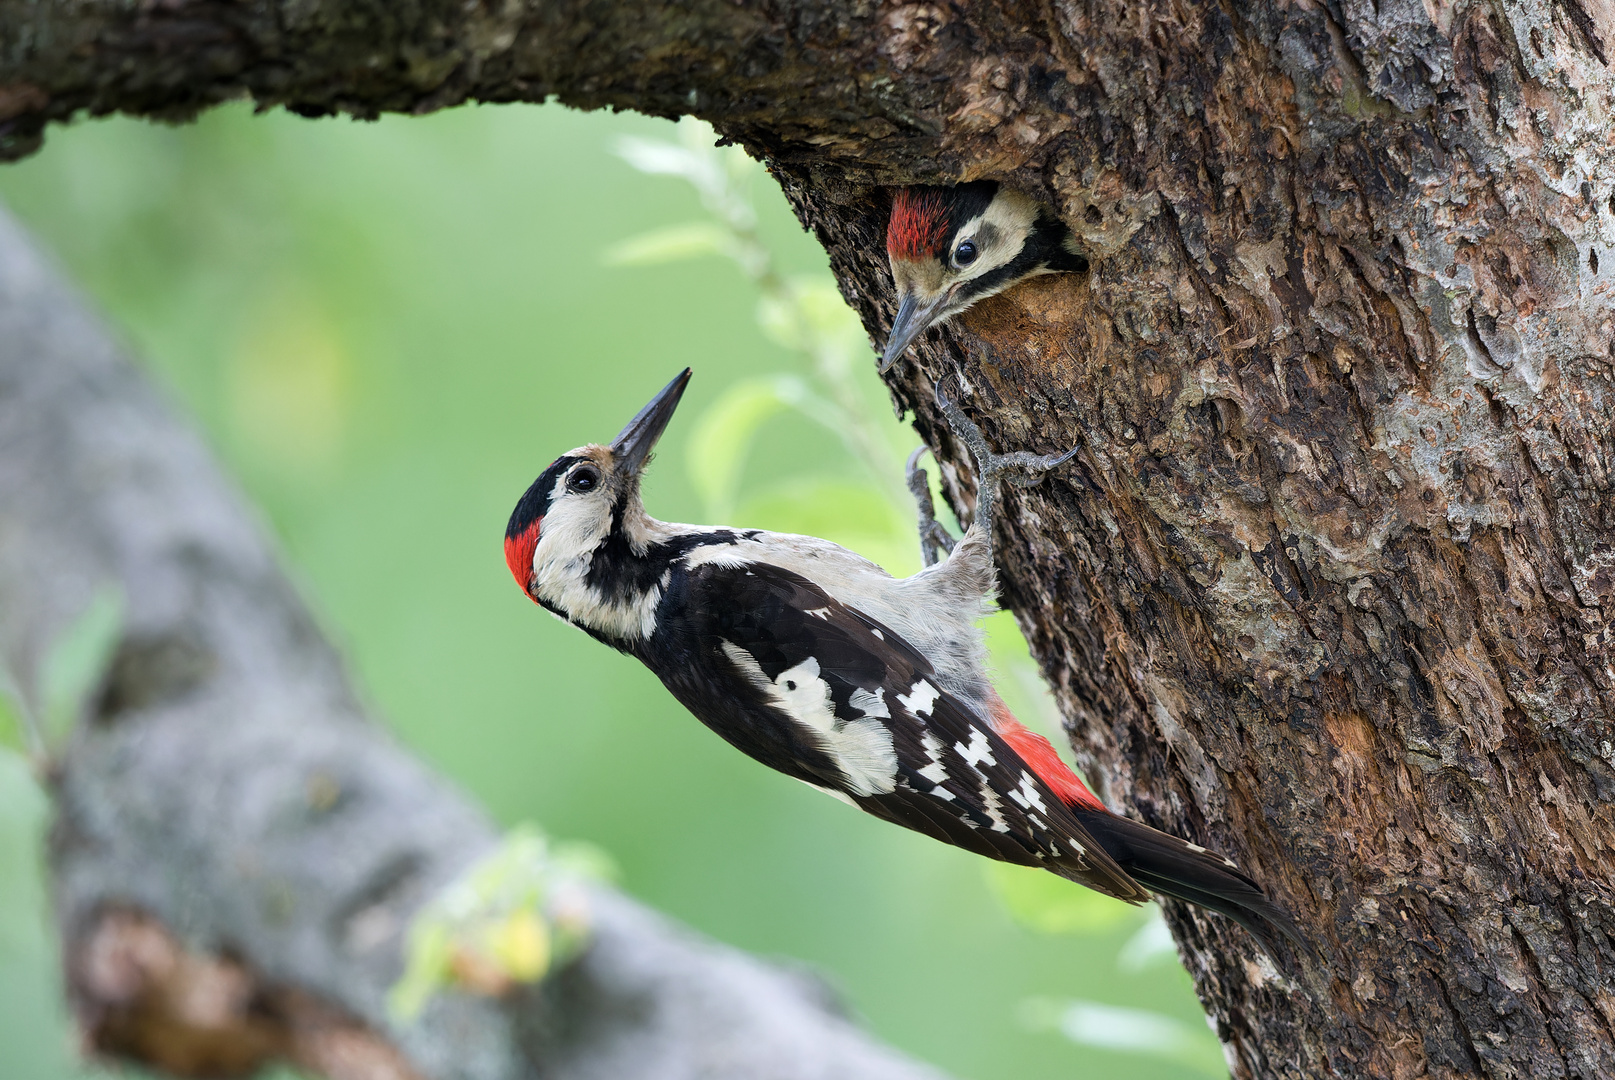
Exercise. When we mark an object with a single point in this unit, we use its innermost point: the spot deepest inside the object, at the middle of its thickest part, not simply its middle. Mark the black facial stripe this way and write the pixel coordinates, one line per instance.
(535, 502)
(1027, 261)
(1051, 235)
(616, 573)
(1044, 247)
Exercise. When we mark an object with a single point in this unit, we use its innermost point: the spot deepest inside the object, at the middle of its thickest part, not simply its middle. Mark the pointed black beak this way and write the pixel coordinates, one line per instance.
(913, 316)
(634, 443)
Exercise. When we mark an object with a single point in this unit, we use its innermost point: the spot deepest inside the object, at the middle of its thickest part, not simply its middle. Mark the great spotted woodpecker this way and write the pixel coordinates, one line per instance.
(818, 663)
(952, 246)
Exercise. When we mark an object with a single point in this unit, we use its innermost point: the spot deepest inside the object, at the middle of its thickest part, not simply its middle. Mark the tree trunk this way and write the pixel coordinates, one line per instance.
(1325, 587)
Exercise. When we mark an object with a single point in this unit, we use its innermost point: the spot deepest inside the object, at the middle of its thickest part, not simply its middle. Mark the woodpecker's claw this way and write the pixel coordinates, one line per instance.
(1024, 468)
(935, 540)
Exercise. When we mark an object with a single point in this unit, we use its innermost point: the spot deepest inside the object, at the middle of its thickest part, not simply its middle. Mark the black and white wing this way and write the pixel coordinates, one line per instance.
(812, 687)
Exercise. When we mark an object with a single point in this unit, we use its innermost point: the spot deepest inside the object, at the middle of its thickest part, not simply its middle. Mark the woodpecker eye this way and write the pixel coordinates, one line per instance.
(964, 254)
(584, 478)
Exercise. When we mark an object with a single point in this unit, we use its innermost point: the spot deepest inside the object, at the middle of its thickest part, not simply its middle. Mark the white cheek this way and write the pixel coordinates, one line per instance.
(571, 531)
(999, 234)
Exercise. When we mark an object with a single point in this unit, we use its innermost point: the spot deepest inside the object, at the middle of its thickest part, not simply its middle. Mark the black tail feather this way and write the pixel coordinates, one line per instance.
(1184, 871)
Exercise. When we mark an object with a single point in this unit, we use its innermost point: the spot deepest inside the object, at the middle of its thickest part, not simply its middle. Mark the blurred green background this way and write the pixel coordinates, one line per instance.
(386, 330)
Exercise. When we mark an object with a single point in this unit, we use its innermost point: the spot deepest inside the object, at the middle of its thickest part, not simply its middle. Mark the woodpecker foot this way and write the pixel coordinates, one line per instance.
(1020, 467)
(935, 540)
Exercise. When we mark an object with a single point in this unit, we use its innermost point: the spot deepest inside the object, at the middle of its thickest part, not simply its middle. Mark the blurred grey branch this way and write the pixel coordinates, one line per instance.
(237, 848)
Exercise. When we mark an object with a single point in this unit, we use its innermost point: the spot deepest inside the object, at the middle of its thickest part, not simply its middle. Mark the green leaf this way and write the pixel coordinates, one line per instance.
(585, 861)
(78, 659)
(858, 516)
(426, 969)
(507, 919)
(1040, 901)
(672, 244)
(1151, 946)
(722, 439)
(660, 158)
(825, 309)
(1127, 1031)
(13, 735)
(810, 315)
(718, 175)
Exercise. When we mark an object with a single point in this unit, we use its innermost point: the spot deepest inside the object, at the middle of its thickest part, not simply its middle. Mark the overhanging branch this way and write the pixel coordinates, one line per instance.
(823, 81)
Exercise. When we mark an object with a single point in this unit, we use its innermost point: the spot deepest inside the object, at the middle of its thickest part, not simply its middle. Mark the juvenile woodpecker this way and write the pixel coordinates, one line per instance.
(952, 246)
(818, 663)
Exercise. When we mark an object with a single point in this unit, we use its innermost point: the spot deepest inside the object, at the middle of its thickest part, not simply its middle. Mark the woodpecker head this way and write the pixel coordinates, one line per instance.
(581, 511)
(952, 246)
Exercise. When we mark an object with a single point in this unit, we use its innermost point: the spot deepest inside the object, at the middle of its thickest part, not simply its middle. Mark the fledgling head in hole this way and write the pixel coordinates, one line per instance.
(586, 499)
(952, 246)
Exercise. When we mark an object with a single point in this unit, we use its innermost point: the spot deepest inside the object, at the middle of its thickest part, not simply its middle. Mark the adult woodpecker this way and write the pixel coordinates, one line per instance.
(818, 663)
(952, 246)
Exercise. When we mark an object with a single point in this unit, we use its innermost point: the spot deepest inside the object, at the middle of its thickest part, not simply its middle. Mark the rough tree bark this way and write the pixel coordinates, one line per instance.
(1327, 587)
(236, 850)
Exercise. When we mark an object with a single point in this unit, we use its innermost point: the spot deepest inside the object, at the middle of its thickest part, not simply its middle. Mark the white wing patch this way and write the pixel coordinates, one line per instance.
(870, 703)
(934, 772)
(921, 697)
(995, 808)
(979, 749)
(733, 556)
(862, 748)
(1027, 794)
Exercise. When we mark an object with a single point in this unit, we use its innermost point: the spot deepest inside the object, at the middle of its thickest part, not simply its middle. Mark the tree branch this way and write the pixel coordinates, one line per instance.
(781, 74)
(236, 847)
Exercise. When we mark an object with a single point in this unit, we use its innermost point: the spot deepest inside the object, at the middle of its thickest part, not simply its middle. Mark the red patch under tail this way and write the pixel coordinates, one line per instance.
(1037, 752)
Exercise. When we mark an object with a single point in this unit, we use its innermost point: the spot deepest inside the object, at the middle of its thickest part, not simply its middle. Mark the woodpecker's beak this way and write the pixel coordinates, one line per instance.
(634, 443)
(914, 314)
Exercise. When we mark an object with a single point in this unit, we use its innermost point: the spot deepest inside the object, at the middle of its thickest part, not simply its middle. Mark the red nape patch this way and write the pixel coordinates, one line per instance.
(918, 225)
(519, 554)
(1035, 750)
